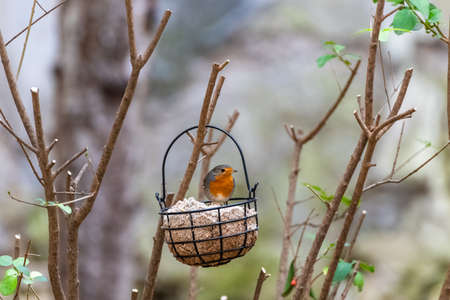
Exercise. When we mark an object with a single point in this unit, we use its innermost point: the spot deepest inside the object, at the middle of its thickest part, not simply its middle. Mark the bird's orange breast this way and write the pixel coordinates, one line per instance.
(222, 186)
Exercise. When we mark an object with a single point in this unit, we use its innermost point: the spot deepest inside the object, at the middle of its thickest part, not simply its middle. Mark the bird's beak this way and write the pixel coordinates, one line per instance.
(234, 171)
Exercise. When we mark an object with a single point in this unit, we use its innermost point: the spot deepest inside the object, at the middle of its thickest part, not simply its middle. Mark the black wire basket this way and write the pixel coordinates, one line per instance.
(210, 235)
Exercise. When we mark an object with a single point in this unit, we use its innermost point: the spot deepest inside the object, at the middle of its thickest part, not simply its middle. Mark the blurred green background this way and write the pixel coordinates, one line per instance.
(272, 79)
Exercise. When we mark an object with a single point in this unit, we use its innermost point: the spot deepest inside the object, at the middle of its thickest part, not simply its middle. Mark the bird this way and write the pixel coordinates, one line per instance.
(218, 184)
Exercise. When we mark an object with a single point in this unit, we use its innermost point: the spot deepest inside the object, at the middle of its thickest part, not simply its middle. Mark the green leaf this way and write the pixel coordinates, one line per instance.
(343, 269)
(321, 61)
(325, 270)
(37, 276)
(423, 6)
(366, 266)
(23, 270)
(19, 262)
(288, 287)
(435, 14)
(11, 272)
(346, 200)
(404, 20)
(312, 295)
(359, 281)
(338, 48)
(66, 209)
(5, 260)
(396, 2)
(8, 285)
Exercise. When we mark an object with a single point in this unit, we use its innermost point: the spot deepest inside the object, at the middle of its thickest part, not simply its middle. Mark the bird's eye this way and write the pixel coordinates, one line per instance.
(223, 170)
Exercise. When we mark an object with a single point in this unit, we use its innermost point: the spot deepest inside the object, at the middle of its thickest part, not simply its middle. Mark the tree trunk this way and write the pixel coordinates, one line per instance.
(91, 73)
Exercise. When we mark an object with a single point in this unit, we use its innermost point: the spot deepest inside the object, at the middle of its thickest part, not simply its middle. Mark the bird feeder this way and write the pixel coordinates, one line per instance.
(205, 235)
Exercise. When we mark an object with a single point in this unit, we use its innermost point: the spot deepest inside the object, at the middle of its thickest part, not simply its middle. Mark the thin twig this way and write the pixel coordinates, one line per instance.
(121, 113)
(19, 279)
(409, 174)
(193, 277)
(355, 235)
(19, 140)
(445, 291)
(80, 175)
(261, 278)
(201, 132)
(22, 56)
(24, 202)
(151, 47)
(52, 144)
(30, 163)
(361, 124)
(384, 77)
(341, 96)
(134, 294)
(17, 239)
(131, 38)
(302, 234)
(215, 97)
(397, 151)
(349, 282)
(68, 162)
(158, 241)
(34, 22)
(15, 92)
(41, 7)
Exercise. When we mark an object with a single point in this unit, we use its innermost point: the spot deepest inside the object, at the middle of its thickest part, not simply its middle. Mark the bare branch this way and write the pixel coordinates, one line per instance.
(400, 97)
(24, 202)
(30, 163)
(153, 266)
(392, 12)
(193, 289)
(134, 294)
(388, 123)
(261, 278)
(361, 124)
(302, 234)
(212, 106)
(355, 235)
(370, 75)
(17, 239)
(15, 92)
(52, 144)
(397, 151)
(131, 38)
(26, 39)
(68, 162)
(19, 279)
(445, 291)
(80, 174)
(448, 90)
(341, 96)
(19, 140)
(34, 22)
(151, 47)
(118, 122)
(409, 174)
(201, 132)
(349, 282)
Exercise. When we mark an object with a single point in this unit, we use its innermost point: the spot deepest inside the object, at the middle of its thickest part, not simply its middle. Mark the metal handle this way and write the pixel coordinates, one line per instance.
(162, 199)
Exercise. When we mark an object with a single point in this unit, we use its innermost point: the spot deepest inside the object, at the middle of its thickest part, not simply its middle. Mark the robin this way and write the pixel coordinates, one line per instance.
(219, 184)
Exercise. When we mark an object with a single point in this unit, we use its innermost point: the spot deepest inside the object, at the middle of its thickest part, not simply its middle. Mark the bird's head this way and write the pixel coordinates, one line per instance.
(222, 171)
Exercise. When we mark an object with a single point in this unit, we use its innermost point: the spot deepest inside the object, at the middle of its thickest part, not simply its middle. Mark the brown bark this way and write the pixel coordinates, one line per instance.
(305, 277)
(290, 203)
(445, 291)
